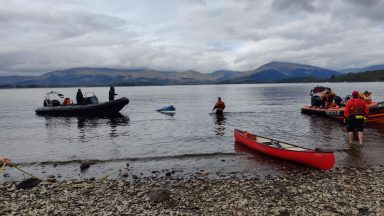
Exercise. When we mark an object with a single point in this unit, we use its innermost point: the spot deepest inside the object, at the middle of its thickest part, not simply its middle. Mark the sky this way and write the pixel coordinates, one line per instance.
(44, 35)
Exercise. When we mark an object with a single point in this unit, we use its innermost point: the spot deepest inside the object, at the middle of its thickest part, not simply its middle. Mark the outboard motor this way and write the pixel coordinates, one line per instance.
(316, 101)
(55, 103)
(51, 103)
(91, 100)
(338, 100)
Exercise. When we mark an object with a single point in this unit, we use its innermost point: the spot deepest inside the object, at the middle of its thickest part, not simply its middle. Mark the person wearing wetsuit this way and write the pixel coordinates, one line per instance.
(112, 93)
(79, 97)
(354, 113)
(219, 106)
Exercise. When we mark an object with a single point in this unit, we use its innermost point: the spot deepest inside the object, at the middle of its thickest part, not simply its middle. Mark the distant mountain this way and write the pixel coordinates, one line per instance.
(271, 72)
(106, 76)
(221, 75)
(369, 68)
(279, 71)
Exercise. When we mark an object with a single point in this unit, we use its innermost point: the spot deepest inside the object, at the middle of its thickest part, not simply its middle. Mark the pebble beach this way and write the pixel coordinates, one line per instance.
(341, 191)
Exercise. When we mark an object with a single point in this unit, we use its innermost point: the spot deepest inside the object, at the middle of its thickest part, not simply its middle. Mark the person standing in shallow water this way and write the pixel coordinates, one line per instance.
(79, 97)
(219, 106)
(112, 93)
(354, 114)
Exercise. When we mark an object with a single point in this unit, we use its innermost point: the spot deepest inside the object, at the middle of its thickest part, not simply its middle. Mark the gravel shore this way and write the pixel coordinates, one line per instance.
(345, 191)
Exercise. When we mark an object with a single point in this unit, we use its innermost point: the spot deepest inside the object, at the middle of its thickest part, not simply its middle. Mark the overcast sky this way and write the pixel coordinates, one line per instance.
(38, 36)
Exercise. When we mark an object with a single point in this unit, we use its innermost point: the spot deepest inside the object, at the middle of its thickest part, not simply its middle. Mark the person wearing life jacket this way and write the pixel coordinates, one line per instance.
(328, 97)
(219, 106)
(67, 101)
(366, 96)
(355, 112)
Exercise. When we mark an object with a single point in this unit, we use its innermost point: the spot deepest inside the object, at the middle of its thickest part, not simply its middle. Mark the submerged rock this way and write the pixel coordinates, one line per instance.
(85, 165)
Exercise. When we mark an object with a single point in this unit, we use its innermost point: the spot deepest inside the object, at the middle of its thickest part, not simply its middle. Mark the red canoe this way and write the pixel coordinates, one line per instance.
(323, 160)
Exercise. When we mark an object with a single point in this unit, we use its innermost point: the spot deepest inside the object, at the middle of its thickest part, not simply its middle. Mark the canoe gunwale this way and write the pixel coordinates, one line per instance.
(322, 160)
(282, 148)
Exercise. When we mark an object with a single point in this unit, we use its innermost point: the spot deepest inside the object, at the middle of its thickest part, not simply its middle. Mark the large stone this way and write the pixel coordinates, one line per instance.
(159, 195)
(85, 165)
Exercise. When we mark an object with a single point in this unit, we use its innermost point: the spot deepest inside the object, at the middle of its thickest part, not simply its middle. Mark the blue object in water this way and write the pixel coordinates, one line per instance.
(167, 109)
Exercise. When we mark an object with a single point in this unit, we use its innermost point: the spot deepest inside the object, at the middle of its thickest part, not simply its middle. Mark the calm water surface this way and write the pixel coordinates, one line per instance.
(192, 139)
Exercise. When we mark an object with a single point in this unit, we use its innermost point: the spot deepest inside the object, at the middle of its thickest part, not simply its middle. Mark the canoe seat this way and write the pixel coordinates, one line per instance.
(272, 143)
(262, 140)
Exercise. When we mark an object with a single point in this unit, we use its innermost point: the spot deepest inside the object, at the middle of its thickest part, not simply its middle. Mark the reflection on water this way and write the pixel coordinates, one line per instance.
(354, 154)
(86, 125)
(219, 127)
(168, 114)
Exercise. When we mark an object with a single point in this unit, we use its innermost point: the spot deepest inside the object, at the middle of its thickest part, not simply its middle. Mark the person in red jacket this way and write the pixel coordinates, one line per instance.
(219, 106)
(354, 113)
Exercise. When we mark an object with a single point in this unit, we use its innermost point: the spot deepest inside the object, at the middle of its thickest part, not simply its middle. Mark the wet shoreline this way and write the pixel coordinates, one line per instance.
(342, 191)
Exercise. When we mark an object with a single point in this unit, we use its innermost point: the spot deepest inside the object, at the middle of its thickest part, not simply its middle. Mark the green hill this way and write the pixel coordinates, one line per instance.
(369, 76)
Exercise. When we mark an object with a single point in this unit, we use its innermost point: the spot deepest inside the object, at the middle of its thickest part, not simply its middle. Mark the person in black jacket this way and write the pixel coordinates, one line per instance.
(79, 97)
(112, 93)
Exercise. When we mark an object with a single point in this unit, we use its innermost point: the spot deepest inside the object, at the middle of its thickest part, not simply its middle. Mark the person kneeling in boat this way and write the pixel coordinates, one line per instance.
(219, 106)
(366, 96)
(328, 97)
(67, 101)
(355, 113)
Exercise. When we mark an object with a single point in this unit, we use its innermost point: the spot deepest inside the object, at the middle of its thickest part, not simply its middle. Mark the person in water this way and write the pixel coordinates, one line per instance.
(79, 97)
(219, 106)
(355, 112)
(4, 160)
(112, 93)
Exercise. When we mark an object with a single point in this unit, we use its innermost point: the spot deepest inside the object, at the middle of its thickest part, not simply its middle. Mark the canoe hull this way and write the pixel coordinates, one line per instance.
(101, 109)
(322, 160)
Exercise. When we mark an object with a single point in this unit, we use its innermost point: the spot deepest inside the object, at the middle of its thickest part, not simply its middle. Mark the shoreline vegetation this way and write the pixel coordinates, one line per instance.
(341, 191)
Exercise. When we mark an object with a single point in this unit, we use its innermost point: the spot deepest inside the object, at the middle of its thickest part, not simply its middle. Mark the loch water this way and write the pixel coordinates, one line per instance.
(190, 141)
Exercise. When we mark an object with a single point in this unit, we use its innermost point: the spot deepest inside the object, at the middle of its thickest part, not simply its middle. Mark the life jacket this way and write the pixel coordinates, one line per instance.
(355, 108)
(67, 101)
(220, 105)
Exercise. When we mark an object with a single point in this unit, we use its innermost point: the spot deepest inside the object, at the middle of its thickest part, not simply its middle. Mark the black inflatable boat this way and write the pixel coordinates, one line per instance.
(90, 107)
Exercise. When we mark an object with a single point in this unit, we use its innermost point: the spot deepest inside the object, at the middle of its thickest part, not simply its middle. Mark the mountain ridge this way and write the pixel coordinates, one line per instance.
(274, 71)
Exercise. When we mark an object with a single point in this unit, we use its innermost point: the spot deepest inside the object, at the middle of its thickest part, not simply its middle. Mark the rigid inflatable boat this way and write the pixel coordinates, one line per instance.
(53, 105)
(376, 109)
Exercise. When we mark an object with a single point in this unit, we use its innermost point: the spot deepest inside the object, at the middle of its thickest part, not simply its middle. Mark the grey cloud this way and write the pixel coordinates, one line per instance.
(296, 5)
(198, 35)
